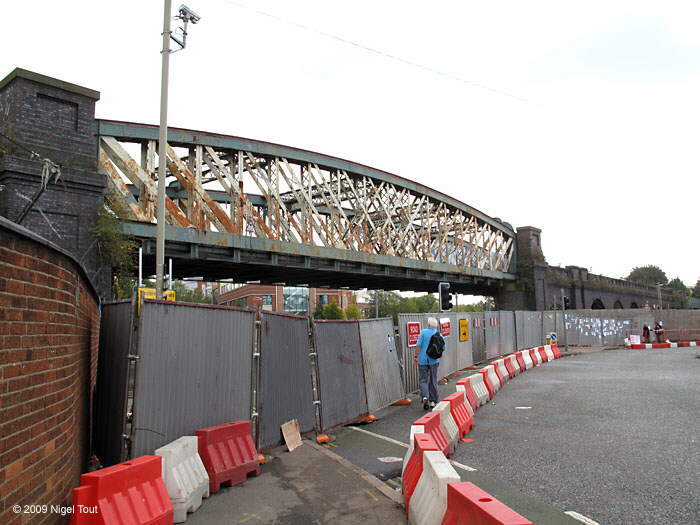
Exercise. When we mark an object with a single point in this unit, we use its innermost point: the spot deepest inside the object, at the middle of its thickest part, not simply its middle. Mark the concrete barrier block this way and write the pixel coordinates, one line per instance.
(184, 475)
(429, 501)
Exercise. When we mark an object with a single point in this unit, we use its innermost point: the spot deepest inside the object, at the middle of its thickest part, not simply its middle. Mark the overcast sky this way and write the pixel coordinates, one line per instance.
(582, 120)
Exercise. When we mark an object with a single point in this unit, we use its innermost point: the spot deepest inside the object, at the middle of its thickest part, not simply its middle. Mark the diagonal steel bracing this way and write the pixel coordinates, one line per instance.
(257, 189)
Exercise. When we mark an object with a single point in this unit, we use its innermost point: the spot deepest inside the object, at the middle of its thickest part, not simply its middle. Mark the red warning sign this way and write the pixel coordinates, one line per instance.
(413, 331)
(445, 326)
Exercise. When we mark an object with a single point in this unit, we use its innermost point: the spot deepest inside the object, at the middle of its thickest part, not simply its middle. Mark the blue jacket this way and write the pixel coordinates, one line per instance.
(423, 342)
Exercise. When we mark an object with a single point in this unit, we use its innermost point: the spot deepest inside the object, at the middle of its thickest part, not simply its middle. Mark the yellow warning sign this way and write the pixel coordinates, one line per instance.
(463, 330)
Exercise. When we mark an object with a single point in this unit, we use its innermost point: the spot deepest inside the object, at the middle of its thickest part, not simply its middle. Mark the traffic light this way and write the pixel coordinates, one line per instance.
(445, 297)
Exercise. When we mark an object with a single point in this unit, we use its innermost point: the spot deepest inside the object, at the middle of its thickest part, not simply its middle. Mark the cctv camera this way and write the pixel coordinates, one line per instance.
(186, 13)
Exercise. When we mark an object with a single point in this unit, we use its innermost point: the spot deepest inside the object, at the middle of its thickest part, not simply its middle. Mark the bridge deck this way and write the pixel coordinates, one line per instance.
(217, 256)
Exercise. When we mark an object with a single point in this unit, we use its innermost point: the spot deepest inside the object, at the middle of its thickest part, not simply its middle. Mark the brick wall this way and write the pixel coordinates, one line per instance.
(49, 330)
(55, 119)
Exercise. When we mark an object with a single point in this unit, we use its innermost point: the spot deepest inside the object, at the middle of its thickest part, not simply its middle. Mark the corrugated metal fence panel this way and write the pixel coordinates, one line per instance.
(381, 365)
(111, 388)
(458, 354)
(492, 340)
(529, 329)
(584, 329)
(549, 324)
(410, 369)
(194, 371)
(341, 378)
(465, 354)
(285, 391)
(678, 319)
(476, 334)
(507, 324)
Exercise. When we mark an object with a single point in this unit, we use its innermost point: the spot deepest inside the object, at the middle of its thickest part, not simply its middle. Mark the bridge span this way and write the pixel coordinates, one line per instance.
(252, 210)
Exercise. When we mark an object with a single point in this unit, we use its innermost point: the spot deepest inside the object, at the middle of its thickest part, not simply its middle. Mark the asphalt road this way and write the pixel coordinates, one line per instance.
(613, 435)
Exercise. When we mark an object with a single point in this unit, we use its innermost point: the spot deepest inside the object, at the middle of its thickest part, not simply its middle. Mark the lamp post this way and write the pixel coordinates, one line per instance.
(658, 294)
(185, 14)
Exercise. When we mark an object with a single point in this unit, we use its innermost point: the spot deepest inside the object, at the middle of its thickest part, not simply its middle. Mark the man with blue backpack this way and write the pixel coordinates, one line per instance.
(427, 355)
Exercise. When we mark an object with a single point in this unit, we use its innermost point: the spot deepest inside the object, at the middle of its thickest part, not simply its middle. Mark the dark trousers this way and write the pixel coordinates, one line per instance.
(427, 378)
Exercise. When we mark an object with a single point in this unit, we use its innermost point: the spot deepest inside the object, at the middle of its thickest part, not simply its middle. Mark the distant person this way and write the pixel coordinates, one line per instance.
(659, 331)
(645, 334)
(428, 366)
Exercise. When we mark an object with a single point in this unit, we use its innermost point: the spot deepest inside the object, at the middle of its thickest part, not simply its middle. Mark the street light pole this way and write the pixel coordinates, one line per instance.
(162, 150)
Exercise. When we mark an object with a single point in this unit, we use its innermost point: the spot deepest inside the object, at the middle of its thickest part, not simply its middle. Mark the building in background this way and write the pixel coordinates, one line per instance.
(297, 300)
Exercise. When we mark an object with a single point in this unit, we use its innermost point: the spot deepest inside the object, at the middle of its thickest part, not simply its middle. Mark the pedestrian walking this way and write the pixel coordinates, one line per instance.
(645, 334)
(427, 365)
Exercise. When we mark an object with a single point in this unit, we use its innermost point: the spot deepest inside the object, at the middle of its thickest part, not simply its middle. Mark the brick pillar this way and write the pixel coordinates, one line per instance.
(56, 120)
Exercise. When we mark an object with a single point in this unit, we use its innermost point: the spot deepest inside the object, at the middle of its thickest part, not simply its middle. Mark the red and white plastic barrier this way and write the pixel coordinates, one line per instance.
(228, 453)
(479, 387)
(509, 367)
(648, 346)
(527, 359)
(131, 492)
(448, 424)
(413, 469)
(535, 356)
(459, 408)
(472, 400)
(548, 351)
(430, 423)
(493, 377)
(184, 475)
(429, 499)
(490, 387)
(467, 504)
(515, 363)
(501, 370)
(555, 350)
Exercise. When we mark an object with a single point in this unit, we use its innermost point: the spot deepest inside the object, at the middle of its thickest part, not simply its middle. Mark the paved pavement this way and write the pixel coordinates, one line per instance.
(306, 486)
(612, 435)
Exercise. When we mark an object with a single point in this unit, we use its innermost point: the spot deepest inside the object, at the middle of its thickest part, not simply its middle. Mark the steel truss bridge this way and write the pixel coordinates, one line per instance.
(249, 210)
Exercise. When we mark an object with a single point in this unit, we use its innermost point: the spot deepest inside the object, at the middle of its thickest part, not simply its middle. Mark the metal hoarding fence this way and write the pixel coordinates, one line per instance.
(193, 371)
(458, 354)
(492, 336)
(381, 367)
(285, 391)
(409, 368)
(528, 328)
(116, 329)
(507, 332)
(477, 337)
(340, 372)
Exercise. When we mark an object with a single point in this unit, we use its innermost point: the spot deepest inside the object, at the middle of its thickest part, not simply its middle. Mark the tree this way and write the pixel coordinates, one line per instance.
(333, 311)
(481, 306)
(116, 250)
(681, 294)
(318, 312)
(650, 275)
(185, 295)
(352, 311)
(696, 290)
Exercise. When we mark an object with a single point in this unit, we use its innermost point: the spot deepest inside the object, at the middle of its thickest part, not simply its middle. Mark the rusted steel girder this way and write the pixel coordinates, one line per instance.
(257, 189)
